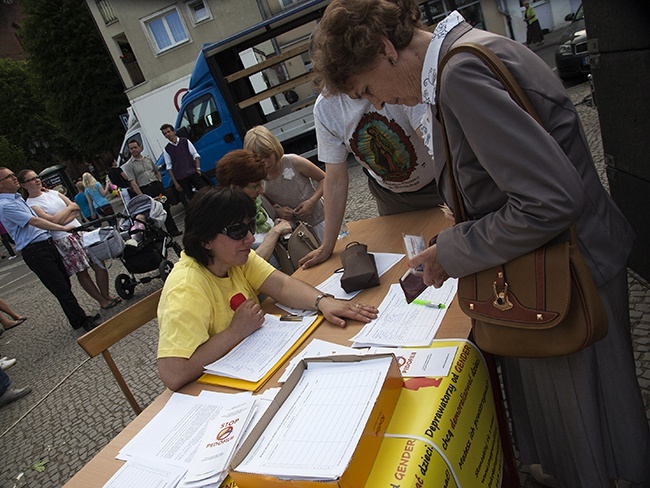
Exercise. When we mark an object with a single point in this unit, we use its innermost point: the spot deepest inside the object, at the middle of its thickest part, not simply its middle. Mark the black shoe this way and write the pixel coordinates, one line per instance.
(89, 324)
(13, 394)
(175, 233)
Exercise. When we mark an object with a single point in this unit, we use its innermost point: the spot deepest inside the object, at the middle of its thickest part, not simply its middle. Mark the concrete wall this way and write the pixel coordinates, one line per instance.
(228, 17)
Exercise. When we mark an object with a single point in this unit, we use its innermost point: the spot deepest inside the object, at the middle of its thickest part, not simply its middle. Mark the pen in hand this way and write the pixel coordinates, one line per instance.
(427, 303)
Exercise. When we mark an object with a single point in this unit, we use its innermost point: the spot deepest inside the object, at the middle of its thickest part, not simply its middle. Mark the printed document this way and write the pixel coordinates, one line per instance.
(173, 435)
(315, 432)
(314, 349)
(401, 324)
(253, 357)
(136, 474)
(217, 447)
(415, 363)
(332, 285)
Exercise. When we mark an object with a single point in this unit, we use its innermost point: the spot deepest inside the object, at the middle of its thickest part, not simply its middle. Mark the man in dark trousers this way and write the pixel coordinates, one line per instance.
(145, 178)
(183, 162)
(32, 237)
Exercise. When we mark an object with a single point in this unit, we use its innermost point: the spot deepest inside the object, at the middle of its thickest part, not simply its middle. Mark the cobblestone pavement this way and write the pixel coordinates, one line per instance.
(76, 407)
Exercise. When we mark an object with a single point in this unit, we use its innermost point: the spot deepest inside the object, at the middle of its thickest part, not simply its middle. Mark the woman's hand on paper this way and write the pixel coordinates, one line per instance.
(336, 310)
(434, 274)
(248, 317)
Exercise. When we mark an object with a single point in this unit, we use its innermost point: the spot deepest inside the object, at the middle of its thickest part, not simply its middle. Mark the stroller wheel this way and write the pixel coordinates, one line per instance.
(177, 248)
(124, 285)
(165, 268)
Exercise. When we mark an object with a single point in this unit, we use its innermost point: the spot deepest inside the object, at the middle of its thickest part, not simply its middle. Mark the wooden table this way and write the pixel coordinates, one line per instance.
(381, 234)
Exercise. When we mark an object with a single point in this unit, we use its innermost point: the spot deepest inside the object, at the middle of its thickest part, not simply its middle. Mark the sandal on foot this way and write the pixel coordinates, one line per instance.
(110, 304)
(17, 322)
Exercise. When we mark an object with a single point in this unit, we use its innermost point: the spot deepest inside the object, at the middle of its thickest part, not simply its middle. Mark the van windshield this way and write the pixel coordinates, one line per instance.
(200, 117)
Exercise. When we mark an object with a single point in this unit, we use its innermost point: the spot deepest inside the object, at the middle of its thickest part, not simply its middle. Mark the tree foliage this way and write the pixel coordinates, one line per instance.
(12, 156)
(82, 89)
(24, 116)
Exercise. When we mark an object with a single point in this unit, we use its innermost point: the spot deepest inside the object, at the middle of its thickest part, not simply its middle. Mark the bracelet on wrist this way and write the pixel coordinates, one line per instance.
(319, 298)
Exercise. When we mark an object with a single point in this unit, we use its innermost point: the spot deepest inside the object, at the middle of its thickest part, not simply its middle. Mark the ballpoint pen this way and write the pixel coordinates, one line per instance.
(427, 303)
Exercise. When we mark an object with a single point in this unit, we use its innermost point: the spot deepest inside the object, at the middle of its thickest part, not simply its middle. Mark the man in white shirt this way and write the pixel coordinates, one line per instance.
(145, 178)
(183, 162)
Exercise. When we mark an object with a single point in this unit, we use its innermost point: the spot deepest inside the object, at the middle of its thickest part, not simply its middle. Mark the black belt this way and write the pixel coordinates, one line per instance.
(34, 245)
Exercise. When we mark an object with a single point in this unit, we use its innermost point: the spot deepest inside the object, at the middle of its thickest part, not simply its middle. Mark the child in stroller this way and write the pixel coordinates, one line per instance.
(146, 244)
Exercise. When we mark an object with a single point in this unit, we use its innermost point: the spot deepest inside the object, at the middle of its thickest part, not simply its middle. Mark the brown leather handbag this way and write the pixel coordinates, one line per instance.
(542, 304)
(359, 268)
(289, 250)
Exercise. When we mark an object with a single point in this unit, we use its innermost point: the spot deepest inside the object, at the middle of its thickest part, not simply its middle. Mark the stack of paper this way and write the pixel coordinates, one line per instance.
(314, 349)
(332, 285)
(402, 324)
(260, 352)
(190, 442)
(316, 430)
(412, 363)
(422, 362)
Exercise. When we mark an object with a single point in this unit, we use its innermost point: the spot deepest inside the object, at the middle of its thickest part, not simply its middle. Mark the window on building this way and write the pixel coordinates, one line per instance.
(200, 117)
(287, 3)
(165, 29)
(199, 11)
(433, 11)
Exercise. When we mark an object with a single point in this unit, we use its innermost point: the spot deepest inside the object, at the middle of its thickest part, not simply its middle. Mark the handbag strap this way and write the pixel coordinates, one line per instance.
(503, 74)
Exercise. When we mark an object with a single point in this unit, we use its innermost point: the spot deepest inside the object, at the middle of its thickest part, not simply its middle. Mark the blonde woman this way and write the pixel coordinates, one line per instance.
(290, 179)
(96, 196)
(57, 208)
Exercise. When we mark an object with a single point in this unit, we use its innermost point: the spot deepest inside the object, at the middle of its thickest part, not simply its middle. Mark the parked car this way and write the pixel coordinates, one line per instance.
(571, 52)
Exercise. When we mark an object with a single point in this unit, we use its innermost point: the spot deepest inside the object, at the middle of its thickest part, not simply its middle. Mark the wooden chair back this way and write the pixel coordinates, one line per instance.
(98, 340)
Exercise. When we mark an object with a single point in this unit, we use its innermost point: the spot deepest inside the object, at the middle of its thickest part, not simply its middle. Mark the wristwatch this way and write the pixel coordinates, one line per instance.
(319, 298)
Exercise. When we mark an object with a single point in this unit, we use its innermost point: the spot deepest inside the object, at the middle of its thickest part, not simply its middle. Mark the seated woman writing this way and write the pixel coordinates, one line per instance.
(197, 323)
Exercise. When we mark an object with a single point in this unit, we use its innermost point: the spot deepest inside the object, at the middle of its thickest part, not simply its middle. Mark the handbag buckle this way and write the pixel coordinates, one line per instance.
(501, 301)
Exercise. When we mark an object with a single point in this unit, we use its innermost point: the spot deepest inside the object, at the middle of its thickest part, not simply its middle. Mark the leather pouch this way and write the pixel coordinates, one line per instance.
(359, 268)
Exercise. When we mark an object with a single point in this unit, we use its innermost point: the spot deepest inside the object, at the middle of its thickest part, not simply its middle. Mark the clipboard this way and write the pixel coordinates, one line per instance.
(212, 379)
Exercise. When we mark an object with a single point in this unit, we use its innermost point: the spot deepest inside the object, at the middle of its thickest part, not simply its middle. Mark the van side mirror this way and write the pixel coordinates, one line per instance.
(570, 17)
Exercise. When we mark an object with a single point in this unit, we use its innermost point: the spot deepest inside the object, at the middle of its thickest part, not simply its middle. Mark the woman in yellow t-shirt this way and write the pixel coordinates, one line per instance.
(534, 34)
(209, 302)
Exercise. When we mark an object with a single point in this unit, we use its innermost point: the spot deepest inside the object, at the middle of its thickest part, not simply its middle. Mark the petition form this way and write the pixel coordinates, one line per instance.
(316, 430)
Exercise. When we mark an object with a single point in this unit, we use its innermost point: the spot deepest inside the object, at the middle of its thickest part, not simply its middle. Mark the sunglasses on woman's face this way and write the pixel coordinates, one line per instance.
(239, 230)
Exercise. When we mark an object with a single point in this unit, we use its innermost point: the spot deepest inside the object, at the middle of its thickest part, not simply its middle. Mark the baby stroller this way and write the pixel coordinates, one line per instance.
(146, 244)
